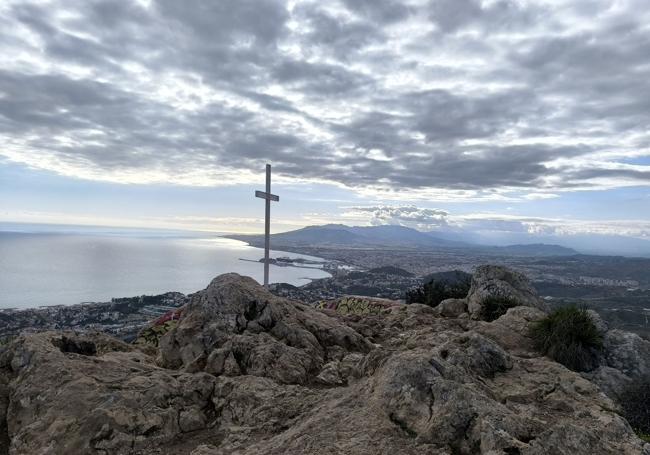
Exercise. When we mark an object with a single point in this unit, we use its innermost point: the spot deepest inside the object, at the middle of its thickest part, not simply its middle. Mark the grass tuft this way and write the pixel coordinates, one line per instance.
(569, 336)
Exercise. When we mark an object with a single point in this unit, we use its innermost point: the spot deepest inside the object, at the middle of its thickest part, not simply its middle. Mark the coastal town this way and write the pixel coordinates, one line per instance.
(621, 293)
(121, 317)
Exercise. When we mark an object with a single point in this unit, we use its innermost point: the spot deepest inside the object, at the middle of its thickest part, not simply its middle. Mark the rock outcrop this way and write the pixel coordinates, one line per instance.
(501, 282)
(245, 372)
(625, 358)
(235, 328)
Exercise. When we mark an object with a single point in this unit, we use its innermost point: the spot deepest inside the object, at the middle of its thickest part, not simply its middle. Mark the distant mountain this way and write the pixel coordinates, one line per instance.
(353, 236)
(534, 249)
(390, 236)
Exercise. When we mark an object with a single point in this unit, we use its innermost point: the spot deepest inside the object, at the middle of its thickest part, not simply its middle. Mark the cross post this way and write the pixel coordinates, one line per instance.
(268, 197)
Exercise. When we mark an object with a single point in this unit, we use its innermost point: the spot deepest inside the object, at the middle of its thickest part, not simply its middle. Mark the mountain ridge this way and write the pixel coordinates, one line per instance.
(392, 236)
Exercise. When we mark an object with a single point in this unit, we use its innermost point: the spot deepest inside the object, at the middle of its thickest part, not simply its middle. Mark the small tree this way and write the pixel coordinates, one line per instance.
(569, 336)
(493, 307)
(435, 291)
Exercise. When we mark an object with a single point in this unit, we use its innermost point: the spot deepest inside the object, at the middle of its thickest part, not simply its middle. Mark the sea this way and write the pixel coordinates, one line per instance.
(43, 265)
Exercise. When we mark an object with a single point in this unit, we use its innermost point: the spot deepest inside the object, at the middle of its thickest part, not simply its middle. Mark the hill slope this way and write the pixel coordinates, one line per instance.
(352, 236)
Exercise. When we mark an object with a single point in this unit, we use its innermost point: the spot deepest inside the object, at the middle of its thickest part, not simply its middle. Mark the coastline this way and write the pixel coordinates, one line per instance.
(50, 269)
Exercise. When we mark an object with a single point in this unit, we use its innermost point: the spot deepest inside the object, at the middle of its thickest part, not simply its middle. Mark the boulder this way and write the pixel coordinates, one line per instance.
(452, 308)
(512, 330)
(625, 358)
(627, 352)
(70, 393)
(237, 327)
(599, 322)
(501, 282)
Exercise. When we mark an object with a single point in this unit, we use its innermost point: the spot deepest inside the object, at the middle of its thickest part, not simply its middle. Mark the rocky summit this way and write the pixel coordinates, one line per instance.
(247, 372)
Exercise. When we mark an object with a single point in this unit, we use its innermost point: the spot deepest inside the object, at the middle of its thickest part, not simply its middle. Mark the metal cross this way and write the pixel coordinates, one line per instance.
(268, 197)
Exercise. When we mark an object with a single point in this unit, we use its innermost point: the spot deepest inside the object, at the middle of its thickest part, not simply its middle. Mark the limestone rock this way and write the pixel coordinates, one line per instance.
(610, 380)
(498, 281)
(512, 330)
(452, 308)
(237, 321)
(247, 373)
(600, 324)
(80, 394)
(627, 352)
(330, 374)
(625, 358)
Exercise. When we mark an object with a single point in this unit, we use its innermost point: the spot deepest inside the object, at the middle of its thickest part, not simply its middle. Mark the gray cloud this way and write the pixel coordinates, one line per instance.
(408, 215)
(591, 235)
(341, 38)
(428, 95)
(381, 11)
(453, 15)
(316, 78)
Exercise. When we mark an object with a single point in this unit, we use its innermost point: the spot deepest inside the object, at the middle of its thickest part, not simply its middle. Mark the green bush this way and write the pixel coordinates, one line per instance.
(635, 401)
(569, 336)
(494, 307)
(435, 291)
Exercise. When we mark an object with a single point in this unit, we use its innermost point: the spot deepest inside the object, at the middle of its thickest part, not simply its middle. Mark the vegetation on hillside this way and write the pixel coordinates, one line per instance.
(435, 291)
(493, 307)
(569, 336)
(635, 401)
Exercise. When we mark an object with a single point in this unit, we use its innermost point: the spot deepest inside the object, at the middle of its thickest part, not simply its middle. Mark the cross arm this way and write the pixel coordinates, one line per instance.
(267, 196)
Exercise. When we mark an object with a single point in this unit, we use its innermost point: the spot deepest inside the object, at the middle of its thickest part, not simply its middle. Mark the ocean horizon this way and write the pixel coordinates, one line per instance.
(45, 265)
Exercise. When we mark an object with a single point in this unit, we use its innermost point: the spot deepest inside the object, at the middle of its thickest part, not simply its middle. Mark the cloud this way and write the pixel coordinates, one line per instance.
(408, 215)
(485, 227)
(381, 11)
(492, 16)
(479, 99)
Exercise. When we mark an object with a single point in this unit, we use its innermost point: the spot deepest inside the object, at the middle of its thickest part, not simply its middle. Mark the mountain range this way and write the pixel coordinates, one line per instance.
(391, 236)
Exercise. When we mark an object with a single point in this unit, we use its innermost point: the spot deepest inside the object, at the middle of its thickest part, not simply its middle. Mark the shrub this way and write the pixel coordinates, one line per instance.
(569, 336)
(635, 401)
(435, 291)
(6, 340)
(415, 295)
(493, 307)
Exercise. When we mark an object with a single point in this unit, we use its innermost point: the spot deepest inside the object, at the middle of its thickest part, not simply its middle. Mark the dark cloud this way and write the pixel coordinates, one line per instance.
(408, 215)
(382, 11)
(339, 37)
(226, 21)
(453, 15)
(318, 78)
(465, 94)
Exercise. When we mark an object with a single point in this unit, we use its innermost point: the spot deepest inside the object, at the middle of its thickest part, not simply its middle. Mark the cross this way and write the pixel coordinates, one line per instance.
(268, 197)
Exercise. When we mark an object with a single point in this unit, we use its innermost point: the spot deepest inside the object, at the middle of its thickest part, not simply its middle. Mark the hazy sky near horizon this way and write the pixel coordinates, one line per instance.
(495, 116)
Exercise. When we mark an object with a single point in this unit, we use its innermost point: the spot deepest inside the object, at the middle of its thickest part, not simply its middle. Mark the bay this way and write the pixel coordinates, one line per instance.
(68, 266)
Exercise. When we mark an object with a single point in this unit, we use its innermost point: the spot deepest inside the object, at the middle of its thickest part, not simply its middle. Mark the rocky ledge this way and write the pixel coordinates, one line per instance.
(246, 372)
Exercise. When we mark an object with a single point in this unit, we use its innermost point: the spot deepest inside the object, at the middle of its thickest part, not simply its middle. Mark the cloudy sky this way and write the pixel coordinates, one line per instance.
(497, 117)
